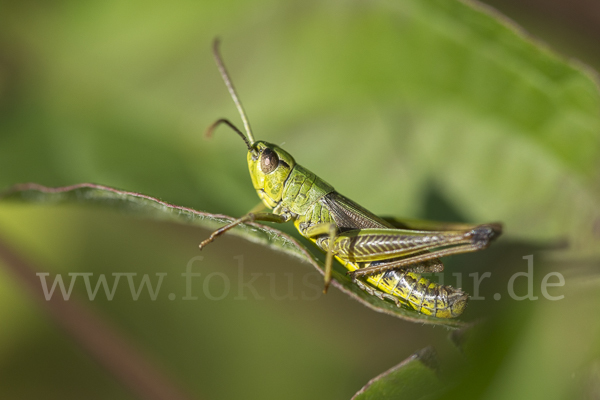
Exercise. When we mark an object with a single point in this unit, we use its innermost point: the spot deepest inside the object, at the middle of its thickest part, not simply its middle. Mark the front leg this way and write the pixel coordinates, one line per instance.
(250, 217)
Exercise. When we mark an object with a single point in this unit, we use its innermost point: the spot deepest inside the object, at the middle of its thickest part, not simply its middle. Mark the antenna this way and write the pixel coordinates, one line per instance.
(218, 122)
(231, 89)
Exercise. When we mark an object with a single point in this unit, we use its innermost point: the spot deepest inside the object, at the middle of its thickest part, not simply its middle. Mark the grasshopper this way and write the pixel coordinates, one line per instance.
(384, 256)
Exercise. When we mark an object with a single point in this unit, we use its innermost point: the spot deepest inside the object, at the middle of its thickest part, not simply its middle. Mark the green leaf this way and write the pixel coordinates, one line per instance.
(414, 378)
(151, 207)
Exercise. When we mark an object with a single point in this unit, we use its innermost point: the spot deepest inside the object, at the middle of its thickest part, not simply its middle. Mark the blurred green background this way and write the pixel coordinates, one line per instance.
(417, 109)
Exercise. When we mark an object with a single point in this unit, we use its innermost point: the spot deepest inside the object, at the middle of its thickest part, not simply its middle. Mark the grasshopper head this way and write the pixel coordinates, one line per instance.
(269, 167)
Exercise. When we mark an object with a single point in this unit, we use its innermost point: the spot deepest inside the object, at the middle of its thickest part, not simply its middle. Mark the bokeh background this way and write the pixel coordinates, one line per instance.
(443, 110)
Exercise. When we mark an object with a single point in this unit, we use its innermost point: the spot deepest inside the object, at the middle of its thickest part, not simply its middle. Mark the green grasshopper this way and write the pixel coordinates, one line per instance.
(383, 255)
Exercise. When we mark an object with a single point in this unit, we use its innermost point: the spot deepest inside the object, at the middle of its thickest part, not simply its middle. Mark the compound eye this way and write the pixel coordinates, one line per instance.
(268, 161)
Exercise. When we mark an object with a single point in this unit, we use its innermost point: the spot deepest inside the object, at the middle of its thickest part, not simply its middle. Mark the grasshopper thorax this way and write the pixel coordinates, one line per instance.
(269, 167)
